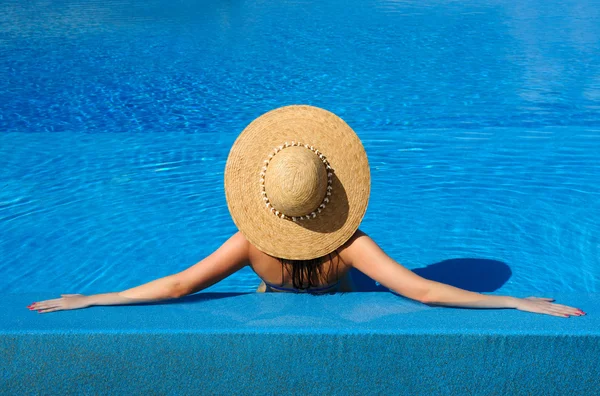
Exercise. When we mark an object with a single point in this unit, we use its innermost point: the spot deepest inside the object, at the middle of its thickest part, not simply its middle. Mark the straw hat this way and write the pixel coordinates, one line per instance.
(297, 182)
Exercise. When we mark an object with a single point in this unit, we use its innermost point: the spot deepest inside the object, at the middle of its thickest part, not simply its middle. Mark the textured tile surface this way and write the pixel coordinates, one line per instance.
(296, 344)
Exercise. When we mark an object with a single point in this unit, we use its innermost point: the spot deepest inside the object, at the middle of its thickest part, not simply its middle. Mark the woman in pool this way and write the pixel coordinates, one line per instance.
(297, 184)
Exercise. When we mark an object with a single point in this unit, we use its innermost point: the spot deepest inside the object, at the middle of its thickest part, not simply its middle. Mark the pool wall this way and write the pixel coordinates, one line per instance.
(351, 343)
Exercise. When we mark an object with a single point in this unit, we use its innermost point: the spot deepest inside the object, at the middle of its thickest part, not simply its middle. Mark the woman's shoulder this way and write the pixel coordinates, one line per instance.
(359, 245)
(352, 242)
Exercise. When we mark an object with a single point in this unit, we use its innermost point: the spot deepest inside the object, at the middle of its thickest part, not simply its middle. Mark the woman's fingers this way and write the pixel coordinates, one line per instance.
(540, 298)
(565, 311)
(559, 314)
(43, 304)
(544, 306)
(51, 303)
(49, 310)
(562, 309)
(47, 304)
(551, 312)
(68, 301)
(48, 301)
(566, 308)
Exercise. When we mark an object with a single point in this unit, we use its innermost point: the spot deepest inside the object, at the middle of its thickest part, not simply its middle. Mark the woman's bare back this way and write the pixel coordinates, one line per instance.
(269, 269)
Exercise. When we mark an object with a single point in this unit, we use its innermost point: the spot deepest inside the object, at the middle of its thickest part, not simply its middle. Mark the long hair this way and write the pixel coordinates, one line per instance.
(308, 273)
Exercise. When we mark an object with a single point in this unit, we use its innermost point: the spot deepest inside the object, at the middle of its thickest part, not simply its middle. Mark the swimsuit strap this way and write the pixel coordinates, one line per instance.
(303, 291)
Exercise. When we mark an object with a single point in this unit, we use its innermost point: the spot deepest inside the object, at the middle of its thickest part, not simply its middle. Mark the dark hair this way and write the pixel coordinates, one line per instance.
(307, 273)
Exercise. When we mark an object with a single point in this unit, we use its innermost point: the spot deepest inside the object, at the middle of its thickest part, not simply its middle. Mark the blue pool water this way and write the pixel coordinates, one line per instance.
(481, 121)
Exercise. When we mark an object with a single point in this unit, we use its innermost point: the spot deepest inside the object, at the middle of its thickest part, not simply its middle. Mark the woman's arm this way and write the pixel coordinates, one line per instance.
(229, 258)
(443, 294)
(371, 260)
(156, 290)
(362, 253)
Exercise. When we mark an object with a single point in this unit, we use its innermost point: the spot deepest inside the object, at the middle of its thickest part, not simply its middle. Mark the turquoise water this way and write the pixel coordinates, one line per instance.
(480, 120)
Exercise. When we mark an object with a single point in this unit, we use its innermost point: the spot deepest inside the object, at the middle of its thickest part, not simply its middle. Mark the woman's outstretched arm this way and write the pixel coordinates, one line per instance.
(229, 258)
(362, 253)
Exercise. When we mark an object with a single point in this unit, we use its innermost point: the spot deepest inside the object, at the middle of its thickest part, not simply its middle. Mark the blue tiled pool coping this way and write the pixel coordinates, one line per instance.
(352, 343)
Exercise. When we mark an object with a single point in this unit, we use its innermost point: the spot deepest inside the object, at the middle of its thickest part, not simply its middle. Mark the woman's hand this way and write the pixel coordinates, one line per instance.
(68, 301)
(544, 306)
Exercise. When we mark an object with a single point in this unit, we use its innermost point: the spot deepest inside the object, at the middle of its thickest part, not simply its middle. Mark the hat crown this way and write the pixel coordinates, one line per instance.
(296, 181)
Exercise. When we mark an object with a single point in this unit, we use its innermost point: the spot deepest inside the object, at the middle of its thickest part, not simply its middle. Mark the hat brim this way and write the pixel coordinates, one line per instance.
(345, 153)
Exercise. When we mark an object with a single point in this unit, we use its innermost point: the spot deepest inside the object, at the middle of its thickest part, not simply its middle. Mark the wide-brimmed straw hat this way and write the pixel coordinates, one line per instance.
(297, 182)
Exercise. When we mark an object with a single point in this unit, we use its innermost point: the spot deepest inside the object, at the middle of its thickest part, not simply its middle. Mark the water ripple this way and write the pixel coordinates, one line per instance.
(480, 120)
(99, 217)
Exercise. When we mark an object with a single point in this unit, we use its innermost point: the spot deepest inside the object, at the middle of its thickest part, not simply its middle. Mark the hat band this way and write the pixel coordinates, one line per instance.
(325, 201)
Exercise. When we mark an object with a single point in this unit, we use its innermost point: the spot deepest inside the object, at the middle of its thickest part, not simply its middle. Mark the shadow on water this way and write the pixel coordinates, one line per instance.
(473, 274)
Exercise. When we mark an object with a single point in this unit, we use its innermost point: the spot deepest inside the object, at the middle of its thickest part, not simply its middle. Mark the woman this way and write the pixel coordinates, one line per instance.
(297, 184)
